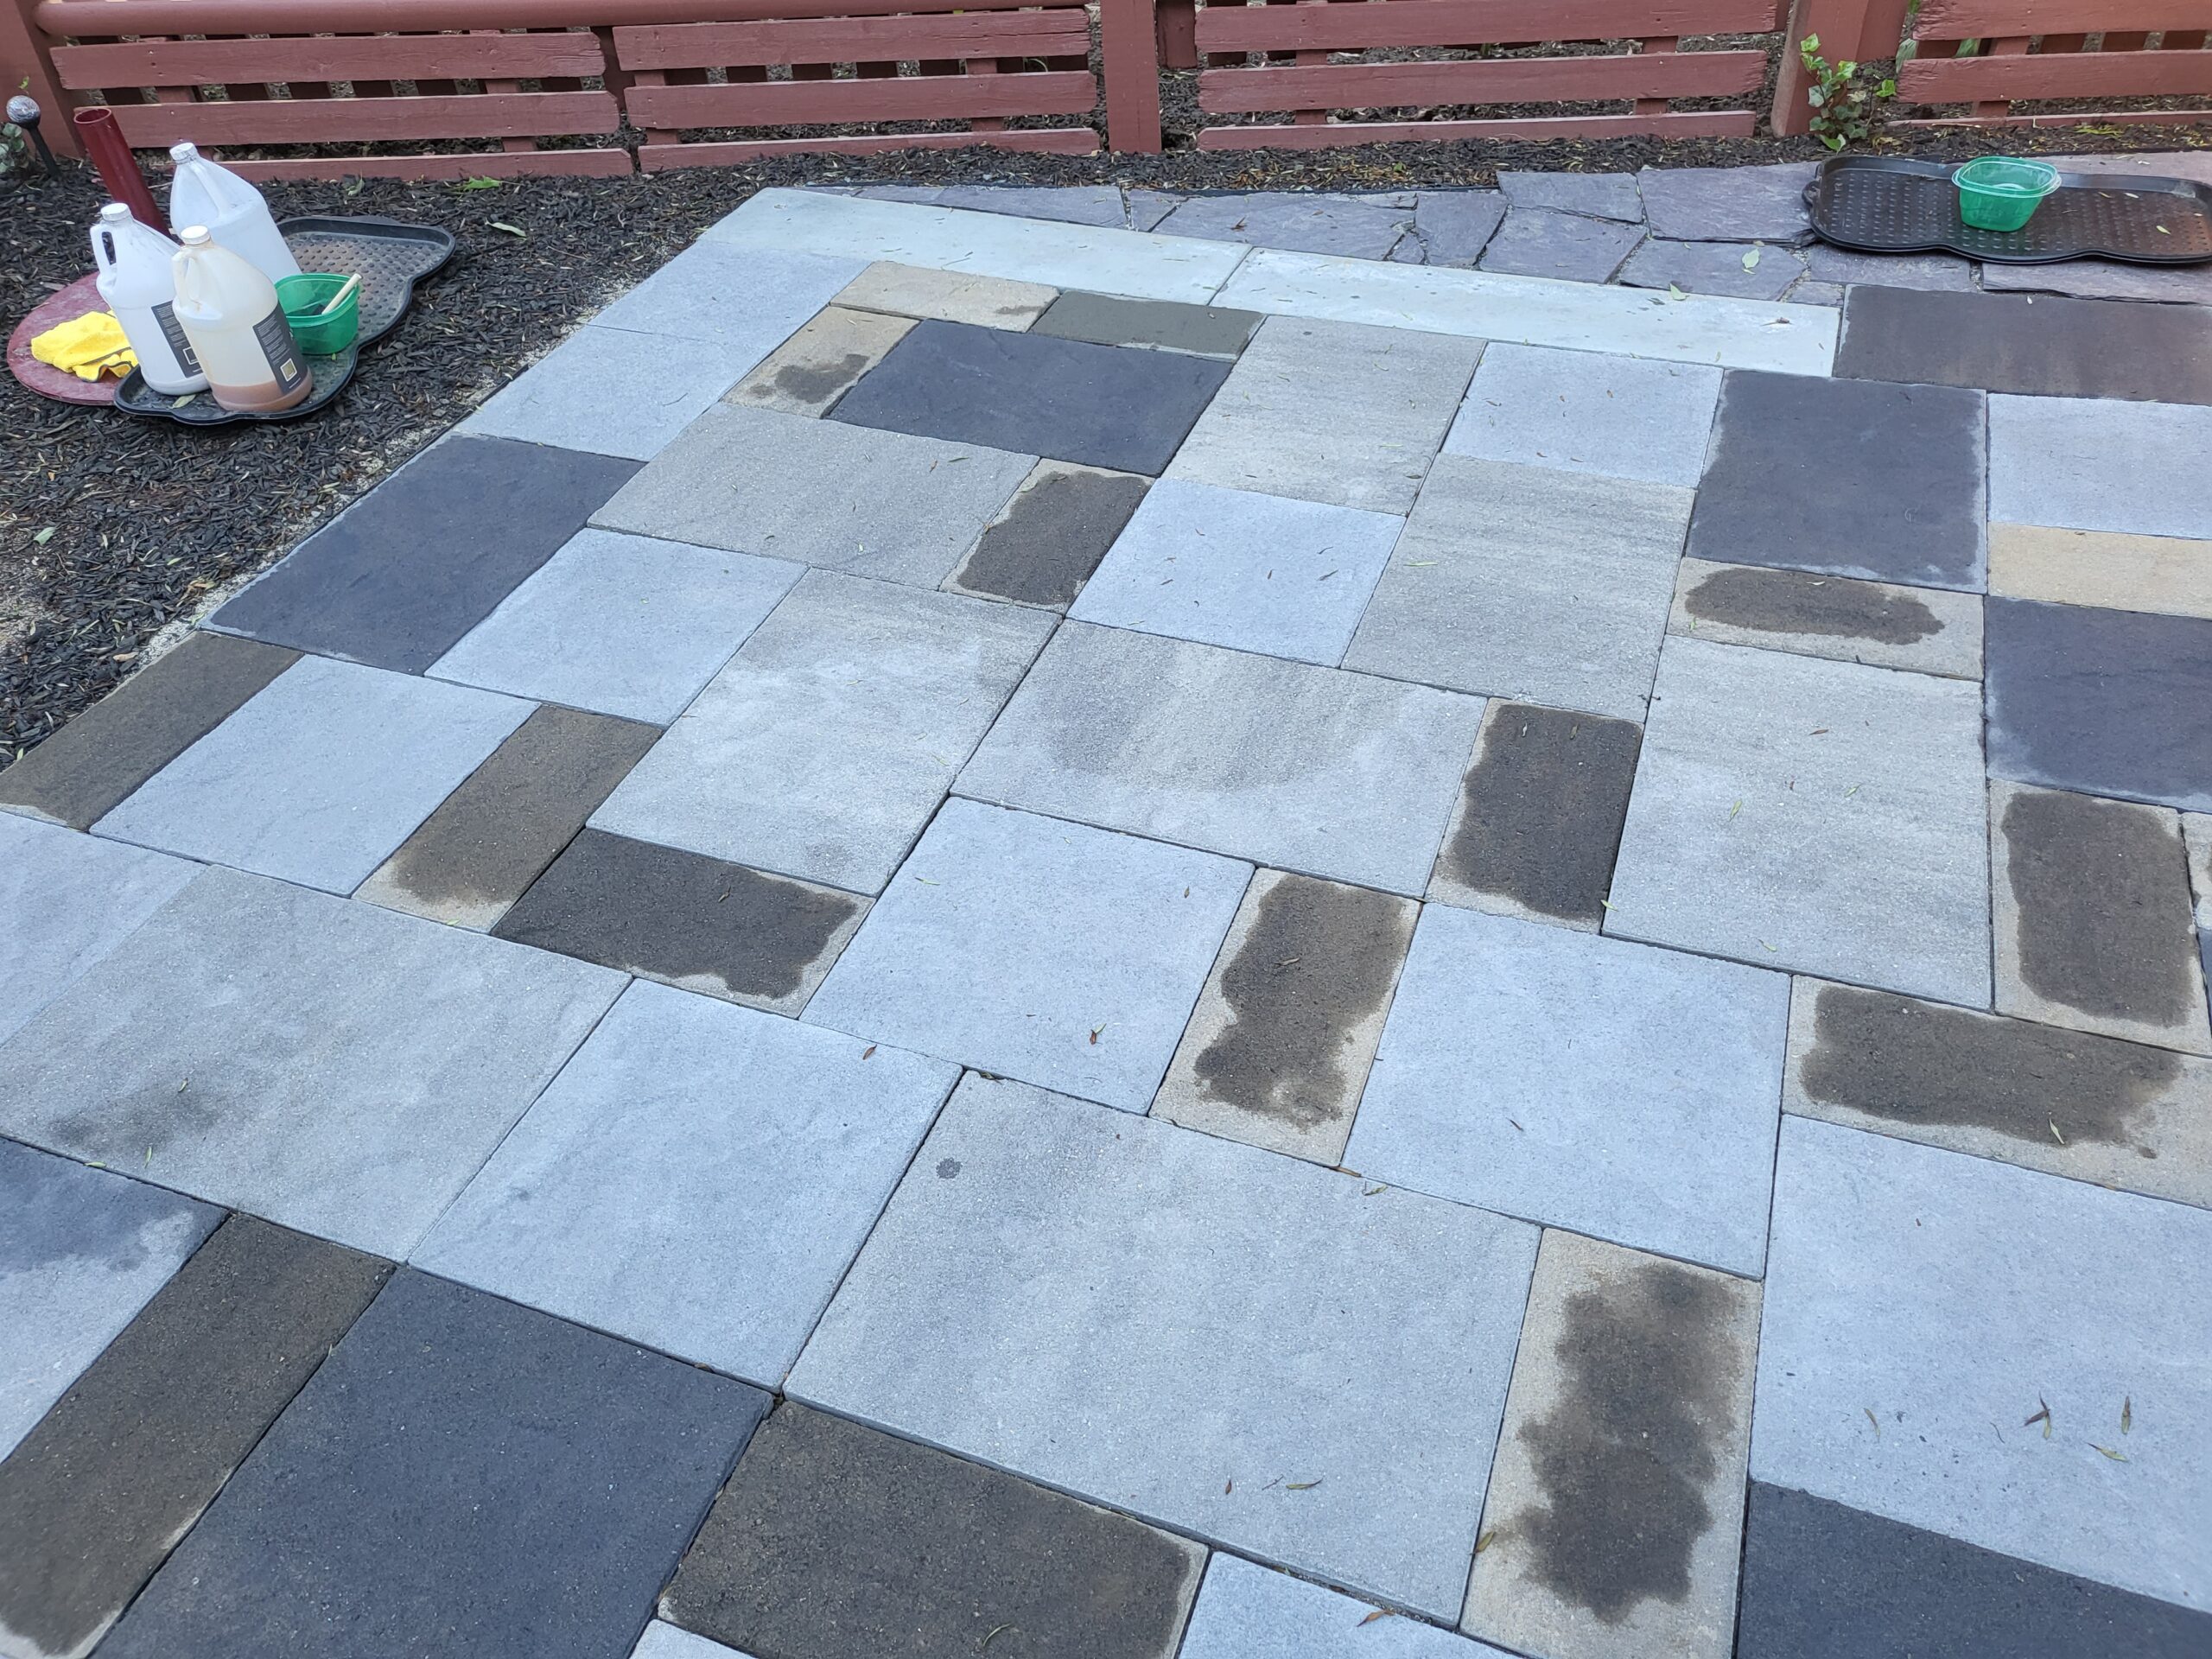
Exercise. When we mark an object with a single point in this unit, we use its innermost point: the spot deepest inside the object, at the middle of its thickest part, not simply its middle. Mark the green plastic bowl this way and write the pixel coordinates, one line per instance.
(302, 296)
(1998, 193)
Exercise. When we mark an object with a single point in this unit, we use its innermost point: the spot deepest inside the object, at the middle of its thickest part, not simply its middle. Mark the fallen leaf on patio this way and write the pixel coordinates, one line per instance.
(926, 882)
(1380, 1612)
(1734, 809)
(1870, 1418)
(1419, 564)
(1485, 1541)
(2127, 1415)
(2117, 1457)
(986, 1641)
(1308, 1485)
(1372, 1191)
(1674, 293)
(1752, 260)
(2055, 1134)
(868, 1054)
(1095, 1030)
(1227, 1487)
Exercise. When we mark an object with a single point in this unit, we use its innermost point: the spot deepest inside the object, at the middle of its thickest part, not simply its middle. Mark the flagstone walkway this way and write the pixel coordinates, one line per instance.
(979, 935)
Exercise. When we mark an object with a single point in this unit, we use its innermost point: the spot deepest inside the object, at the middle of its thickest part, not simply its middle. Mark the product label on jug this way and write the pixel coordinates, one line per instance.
(284, 360)
(173, 332)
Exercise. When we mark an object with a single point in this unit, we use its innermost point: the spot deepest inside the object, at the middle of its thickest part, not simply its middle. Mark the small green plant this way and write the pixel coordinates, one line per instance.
(1843, 104)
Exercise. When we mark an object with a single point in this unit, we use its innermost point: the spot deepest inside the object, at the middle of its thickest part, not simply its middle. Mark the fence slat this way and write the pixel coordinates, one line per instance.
(376, 57)
(497, 164)
(352, 120)
(915, 98)
(1675, 124)
(1494, 80)
(1968, 20)
(1238, 28)
(1061, 141)
(856, 40)
(2074, 74)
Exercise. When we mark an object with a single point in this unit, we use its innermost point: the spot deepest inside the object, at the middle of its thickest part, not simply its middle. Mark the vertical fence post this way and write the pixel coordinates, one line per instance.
(28, 64)
(1179, 33)
(1841, 25)
(1129, 45)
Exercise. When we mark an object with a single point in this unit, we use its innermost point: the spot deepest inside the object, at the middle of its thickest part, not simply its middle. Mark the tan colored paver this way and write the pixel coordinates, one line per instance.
(818, 364)
(2167, 573)
(953, 295)
(1927, 630)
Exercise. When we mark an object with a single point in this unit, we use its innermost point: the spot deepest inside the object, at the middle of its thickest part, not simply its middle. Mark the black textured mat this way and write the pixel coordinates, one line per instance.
(1882, 204)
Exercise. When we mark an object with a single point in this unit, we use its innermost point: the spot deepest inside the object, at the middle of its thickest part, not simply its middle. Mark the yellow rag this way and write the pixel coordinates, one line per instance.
(85, 346)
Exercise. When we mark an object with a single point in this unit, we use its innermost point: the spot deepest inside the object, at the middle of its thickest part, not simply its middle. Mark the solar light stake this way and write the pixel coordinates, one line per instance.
(25, 112)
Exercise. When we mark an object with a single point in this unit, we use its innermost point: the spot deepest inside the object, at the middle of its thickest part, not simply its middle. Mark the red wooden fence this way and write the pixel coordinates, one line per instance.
(2036, 51)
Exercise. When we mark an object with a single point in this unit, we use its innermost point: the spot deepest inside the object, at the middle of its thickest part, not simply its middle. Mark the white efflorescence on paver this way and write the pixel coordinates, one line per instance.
(697, 1178)
(1286, 1360)
(1818, 816)
(2100, 463)
(1924, 1310)
(1588, 412)
(1246, 1611)
(1619, 1090)
(620, 624)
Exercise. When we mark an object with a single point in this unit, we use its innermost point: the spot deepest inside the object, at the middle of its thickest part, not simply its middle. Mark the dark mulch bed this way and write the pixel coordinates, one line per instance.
(111, 529)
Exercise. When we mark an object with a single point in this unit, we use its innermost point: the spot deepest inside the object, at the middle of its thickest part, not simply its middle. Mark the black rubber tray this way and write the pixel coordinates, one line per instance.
(391, 257)
(1879, 203)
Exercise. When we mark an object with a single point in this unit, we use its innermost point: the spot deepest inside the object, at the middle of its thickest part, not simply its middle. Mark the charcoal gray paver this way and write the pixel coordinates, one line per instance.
(701, 924)
(106, 751)
(2039, 344)
(65, 900)
(81, 1251)
(188, 1388)
(848, 497)
(1530, 582)
(1255, 1612)
(320, 776)
(823, 748)
(808, 372)
(2079, 463)
(1208, 330)
(1588, 412)
(1339, 775)
(1615, 1505)
(1074, 204)
(1926, 630)
(420, 560)
(1050, 951)
(1259, 572)
(832, 1538)
(1569, 247)
(1368, 443)
(2101, 279)
(620, 624)
(1826, 262)
(1728, 203)
(1097, 405)
(333, 1066)
(1930, 1289)
(611, 392)
(1052, 535)
(1714, 268)
(697, 1178)
(520, 1486)
(1452, 227)
(1602, 195)
(1303, 222)
(1134, 1277)
(1822, 817)
(1847, 477)
(1624, 1092)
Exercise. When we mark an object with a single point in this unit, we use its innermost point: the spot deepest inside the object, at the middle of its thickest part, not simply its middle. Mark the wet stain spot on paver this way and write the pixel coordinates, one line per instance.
(1542, 810)
(131, 1133)
(1318, 959)
(1053, 537)
(1626, 1455)
(1792, 601)
(819, 383)
(948, 1169)
(52, 1211)
(1922, 1063)
(2102, 892)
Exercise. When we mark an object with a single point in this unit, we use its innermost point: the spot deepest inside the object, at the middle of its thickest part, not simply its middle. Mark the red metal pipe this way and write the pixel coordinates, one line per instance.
(105, 146)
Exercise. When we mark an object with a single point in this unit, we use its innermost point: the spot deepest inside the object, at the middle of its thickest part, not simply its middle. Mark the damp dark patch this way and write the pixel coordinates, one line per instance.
(1542, 810)
(132, 1131)
(948, 1169)
(2101, 888)
(1626, 1456)
(680, 917)
(1920, 1063)
(1053, 537)
(819, 383)
(55, 1214)
(1791, 601)
(1318, 958)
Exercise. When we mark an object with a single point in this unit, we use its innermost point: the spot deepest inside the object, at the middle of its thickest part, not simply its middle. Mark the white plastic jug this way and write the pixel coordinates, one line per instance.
(237, 329)
(139, 285)
(232, 210)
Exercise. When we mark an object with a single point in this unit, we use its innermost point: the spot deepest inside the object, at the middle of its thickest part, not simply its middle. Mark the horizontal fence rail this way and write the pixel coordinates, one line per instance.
(2027, 51)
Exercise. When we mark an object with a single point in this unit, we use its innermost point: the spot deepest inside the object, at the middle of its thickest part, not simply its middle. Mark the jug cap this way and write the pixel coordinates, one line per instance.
(114, 213)
(194, 236)
(184, 152)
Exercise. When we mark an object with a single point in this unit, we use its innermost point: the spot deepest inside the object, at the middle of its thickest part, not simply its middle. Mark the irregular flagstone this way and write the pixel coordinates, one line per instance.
(666, 1642)
(1255, 1612)
(492, 836)
(1132, 1275)
(1304, 768)
(1728, 203)
(610, 391)
(1259, 572)
(1529, 582)
(2101, 464)
(887, 505)
(1147, 207)
(1211, 331)
(1076, 204)
(1751, 271)
(808, 372)
(2107, 702)
(1624, 1092)
(1603, 195)
(188, 1388)
(1588, 412)
(1278, 1050)
(1045, 951)
(1570, 247)
(329, 1066)
(2038, 345)
(519, 1485)
(420, 560)
(701, 924)
(1848, 478)
(832, 1539)
(1539, 814)
(2118, 1114)
(922, 291)
(81, 1251)
(320, 776)
(746, 301)
(1452, 227)
(1297, 219)
(2166, 573)
(716, 1236)
(1828, 263)
(86, 768)
(1824, 1578)
(1924, 629)
(2094, 919)
(66, 901)
(1807, 291)
(1948, 1299)
(1615, 1505)
(2102, 279)
(1367, 444)
(1823, 817)
(621, 624)
(1052, 535)
(824, 746)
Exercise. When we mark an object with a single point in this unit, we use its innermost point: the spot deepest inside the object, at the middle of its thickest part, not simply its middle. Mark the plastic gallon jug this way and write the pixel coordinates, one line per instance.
(231, 315)
(139, 285)
(232, 210)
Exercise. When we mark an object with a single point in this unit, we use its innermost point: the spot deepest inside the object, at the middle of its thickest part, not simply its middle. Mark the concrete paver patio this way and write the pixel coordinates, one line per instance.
(1048, 923)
